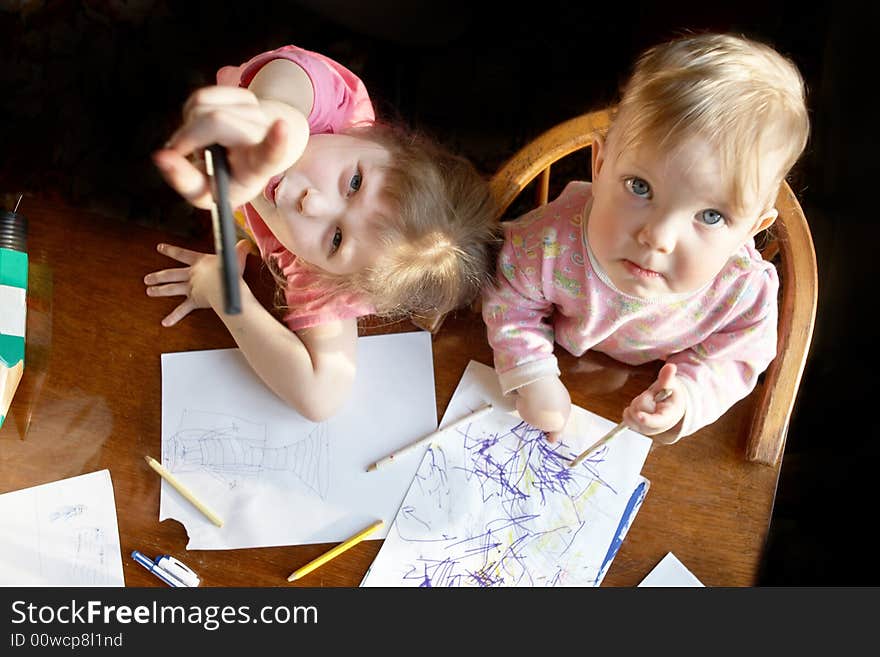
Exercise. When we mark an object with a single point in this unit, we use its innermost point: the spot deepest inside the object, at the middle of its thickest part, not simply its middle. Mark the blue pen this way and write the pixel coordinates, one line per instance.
(150, 565)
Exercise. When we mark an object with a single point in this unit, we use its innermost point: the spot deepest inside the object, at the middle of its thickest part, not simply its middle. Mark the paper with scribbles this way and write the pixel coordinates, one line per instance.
(494, 504)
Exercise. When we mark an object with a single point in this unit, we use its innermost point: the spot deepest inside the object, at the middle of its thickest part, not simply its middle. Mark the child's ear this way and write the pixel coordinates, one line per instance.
(598, 155)
(765, 221)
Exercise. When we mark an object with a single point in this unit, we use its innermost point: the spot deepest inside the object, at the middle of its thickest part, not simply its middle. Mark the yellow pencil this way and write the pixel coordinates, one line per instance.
(335, 552)
(183, 490)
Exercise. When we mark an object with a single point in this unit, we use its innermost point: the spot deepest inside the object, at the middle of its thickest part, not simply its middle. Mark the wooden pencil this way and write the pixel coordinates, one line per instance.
(659, 397)
(424, 440)
(183, 490)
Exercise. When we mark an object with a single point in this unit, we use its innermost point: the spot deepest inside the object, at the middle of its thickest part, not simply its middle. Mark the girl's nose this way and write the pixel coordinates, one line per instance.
(658, 235)
(315, 204)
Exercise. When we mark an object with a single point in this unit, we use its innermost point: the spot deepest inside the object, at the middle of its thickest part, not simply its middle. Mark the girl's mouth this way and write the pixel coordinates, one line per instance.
(272, 187)
(639, 271)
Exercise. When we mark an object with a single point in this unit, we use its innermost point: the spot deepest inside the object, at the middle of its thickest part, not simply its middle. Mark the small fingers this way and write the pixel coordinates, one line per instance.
(219, 95)
(219, 126)
(273, 148)
(641, 414)
(178, 253)
(179, 313)
(630, 418)
(183, 177)
(644, 402)
(167, 276)
(169, 290)
(227, 113)
(253, 166)
(640, 421)
(651, 422)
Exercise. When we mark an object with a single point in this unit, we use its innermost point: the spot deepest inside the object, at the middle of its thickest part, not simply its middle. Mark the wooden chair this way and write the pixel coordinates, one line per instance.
(789, 245)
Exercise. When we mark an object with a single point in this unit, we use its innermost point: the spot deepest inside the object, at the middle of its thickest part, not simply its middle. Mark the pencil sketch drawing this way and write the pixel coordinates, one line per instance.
(88, 558)
(67, 512)
(231, 448)
(71, 537)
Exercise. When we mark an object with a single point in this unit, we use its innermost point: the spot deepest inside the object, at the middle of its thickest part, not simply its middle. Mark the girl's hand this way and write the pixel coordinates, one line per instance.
(256, 139)
(200, 282)
(651, 418)
(545, 404)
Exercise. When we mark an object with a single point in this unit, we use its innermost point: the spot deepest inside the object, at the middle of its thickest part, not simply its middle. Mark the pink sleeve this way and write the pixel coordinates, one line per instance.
(725, 367)
(307, 307)
(517, 314)
(341, 99)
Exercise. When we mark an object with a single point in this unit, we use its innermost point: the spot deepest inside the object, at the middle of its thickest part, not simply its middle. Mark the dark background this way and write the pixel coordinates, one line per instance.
(89, 89)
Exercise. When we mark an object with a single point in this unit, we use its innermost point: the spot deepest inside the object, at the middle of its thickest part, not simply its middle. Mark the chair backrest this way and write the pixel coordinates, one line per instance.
(790, 247)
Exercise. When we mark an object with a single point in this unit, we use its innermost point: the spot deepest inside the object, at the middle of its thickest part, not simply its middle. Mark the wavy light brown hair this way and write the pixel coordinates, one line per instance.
(440, 240)
(741, 96)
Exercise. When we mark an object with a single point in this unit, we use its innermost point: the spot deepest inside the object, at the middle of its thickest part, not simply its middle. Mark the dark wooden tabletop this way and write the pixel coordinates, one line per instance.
(90, 399)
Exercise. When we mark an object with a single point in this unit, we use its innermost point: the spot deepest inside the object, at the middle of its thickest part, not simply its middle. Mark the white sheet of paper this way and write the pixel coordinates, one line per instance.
(494, 504)
(670, 572)
(61, 534)
(276, 478)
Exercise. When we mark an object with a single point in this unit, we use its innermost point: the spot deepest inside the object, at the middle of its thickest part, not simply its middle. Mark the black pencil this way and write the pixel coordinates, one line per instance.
(224, 226)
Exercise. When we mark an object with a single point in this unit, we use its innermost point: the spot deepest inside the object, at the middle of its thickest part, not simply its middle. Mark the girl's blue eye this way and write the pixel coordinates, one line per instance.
(355, 183)
(337, 240)
(639, 187)
(711, 217)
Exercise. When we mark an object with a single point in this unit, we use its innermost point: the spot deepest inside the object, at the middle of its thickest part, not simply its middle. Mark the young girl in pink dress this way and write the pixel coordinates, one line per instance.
(355, 217)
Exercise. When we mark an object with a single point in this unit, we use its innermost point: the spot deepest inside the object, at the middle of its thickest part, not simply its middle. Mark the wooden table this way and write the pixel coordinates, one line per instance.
(91, 399)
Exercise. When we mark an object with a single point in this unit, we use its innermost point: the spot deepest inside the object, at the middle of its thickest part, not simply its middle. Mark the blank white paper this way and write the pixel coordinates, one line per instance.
(670, 572)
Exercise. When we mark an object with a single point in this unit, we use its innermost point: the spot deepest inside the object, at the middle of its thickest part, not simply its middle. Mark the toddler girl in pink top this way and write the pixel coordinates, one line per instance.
(353, 216)
(655, 259)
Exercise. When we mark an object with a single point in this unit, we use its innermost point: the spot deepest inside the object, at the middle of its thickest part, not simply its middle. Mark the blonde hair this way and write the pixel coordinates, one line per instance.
(440, 240)
(741, 96)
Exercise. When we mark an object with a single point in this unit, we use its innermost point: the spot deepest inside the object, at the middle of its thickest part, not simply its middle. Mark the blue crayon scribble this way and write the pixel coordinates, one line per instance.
(525, 476)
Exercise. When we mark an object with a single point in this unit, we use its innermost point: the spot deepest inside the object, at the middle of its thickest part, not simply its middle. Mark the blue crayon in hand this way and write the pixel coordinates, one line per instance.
(13, 303)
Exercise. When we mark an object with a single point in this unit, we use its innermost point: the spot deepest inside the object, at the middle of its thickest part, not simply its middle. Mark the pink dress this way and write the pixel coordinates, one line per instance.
(550, 289)
(341, 101)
